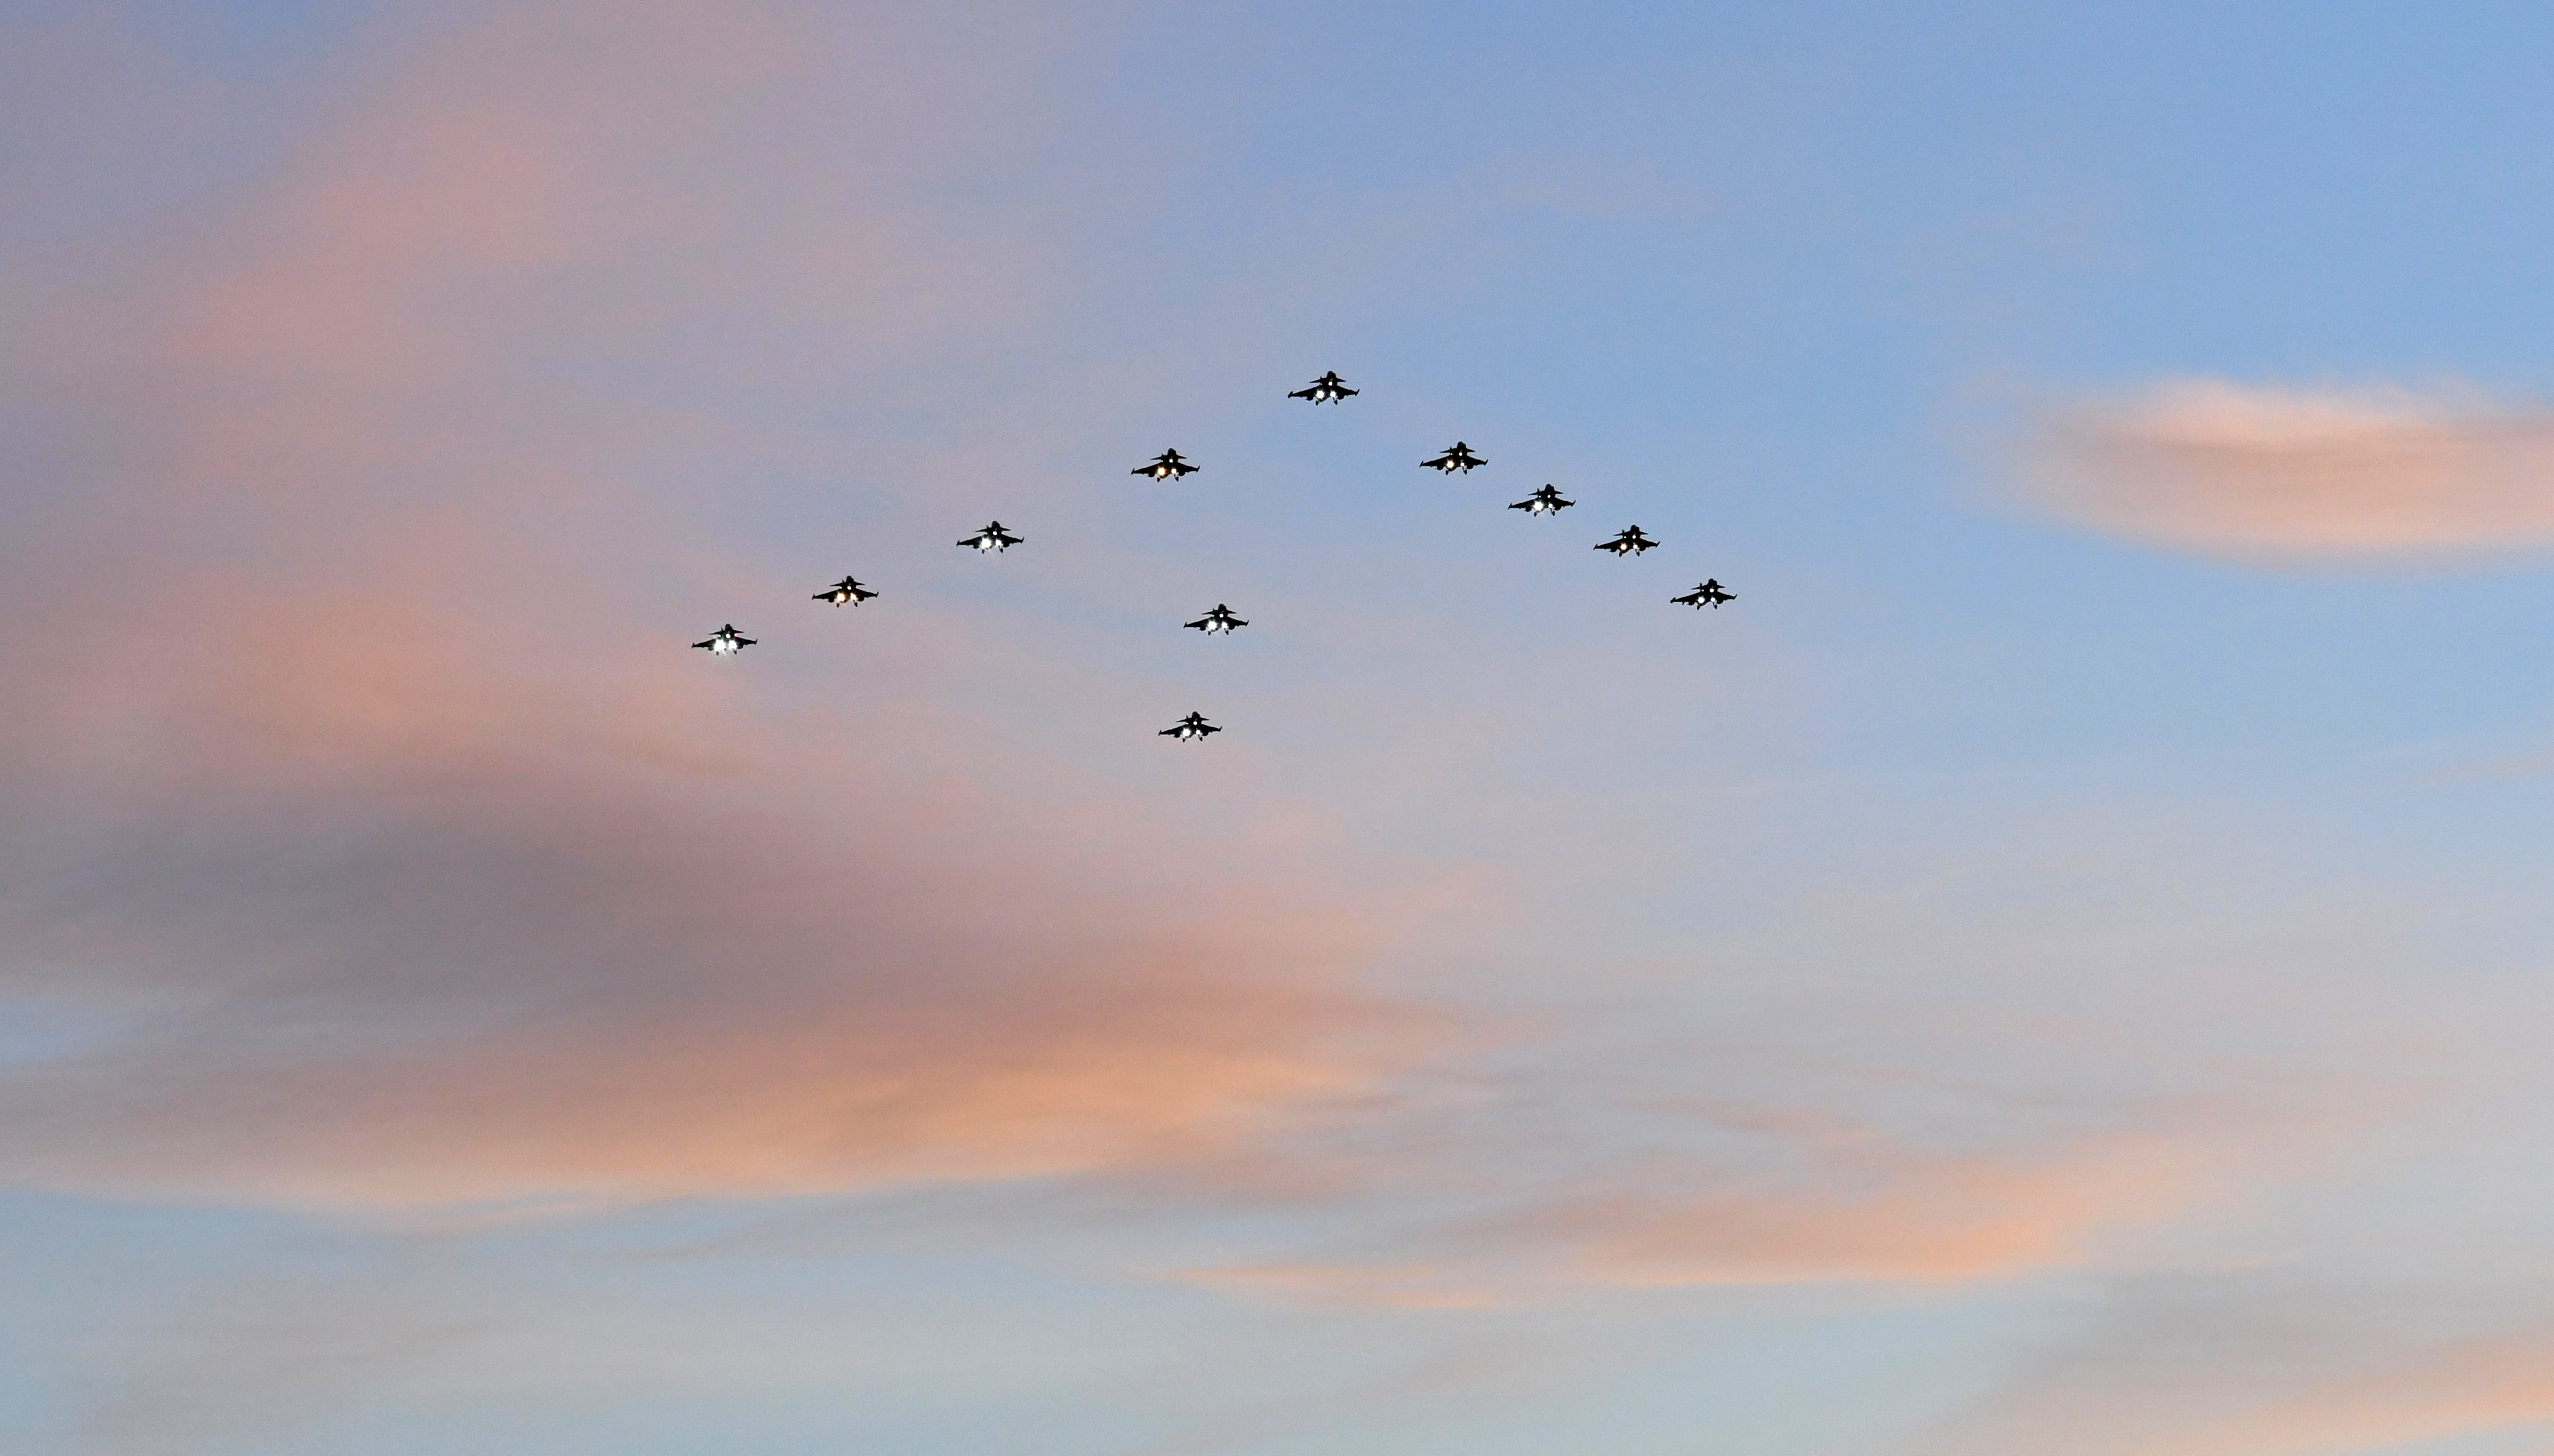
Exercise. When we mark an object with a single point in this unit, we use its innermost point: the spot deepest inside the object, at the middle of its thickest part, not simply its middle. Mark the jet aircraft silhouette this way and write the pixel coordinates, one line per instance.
(1190, 729)
(726, 641)
(1330, 389)
(1708, 594)
(1545, 501)
(1629, 543)
(1460, 458)
(1221, 619)
(992, 538)
(846, 593)
(1167, 466)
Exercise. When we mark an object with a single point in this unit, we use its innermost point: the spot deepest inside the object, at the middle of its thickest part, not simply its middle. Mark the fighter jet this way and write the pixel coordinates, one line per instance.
(1221, 619)
(846, 593)
(1330, 389)
(1707, 594)
(992, 538)
(1190, 729)
(1629, 543)
(726, 641)
(1460, 458)
(1167, 466)
(1545, 501)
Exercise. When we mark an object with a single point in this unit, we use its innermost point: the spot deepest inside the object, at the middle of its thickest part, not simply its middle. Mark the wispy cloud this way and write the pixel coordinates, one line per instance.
(355, 779)
(417, 878)
(1890, 1213)
(1365, 1286)
(2270, 1363)
(1853, 1204)
(395, 925)
(2301, 473)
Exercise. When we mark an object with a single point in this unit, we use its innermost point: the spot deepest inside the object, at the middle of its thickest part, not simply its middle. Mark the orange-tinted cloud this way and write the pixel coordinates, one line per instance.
(399, 922)
(1358, 1285)
(413, 872)
(2303, 474)
(2491, 1382)
(1816, 1201)
(2265, 1362)
(405, 870)
(1890, 1213)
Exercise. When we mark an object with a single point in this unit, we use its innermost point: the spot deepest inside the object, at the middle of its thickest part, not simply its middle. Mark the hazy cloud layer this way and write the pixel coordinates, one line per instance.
(2276, 471)
(406, 858)
(386, 850)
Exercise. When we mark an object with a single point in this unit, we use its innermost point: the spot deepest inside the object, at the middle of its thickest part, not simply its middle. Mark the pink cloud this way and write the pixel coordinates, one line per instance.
(416, 876)
(2261, 1361)
(432, 930)
(1818, 1199)
(1417, 1285)
(2301, 473)
(1897, 1215)
(2486, 1384)
(419, 874)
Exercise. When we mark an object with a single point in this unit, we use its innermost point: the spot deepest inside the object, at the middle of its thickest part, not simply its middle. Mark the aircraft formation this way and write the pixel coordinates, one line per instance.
(1170, 465)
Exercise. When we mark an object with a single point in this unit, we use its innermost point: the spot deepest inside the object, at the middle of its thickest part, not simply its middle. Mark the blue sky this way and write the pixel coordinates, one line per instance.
(2054, 966)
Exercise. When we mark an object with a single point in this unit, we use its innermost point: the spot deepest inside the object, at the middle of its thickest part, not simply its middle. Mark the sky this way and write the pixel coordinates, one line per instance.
(2058, 965)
